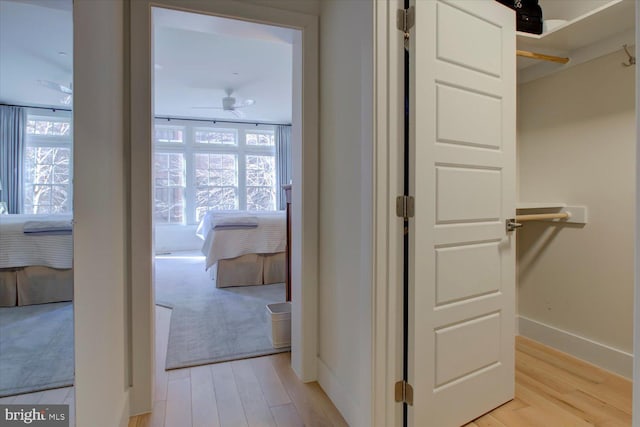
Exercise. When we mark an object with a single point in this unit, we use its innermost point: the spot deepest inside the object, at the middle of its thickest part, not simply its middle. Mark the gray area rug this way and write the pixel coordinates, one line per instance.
(36, 348)
(208, 324)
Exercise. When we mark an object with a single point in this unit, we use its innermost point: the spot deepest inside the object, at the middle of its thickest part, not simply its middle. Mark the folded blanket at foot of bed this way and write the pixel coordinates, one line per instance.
(47, 227)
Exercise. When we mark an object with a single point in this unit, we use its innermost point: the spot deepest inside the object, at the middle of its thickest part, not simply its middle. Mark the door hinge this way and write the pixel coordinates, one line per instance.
(404, 392)
(405, 21)
(405, 206)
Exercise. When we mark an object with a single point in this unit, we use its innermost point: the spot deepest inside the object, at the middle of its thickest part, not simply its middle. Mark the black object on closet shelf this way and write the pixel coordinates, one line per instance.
(528, 15)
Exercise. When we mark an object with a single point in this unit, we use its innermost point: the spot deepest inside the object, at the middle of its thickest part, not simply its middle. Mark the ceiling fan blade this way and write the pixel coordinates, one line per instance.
(239, 114)
(56, 86)
(66, 100)
(245, 103)
(207, 108)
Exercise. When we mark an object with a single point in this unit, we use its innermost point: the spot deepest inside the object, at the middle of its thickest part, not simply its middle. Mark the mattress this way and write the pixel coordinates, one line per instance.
(50, 249)
(268, 237)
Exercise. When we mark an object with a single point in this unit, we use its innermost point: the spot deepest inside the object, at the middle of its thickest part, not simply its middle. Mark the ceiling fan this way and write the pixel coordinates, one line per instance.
(67, 91)
(229, 103)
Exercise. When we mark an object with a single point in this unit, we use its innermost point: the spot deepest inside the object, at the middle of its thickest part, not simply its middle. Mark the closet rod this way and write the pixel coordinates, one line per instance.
(538, 217)
(543, 57)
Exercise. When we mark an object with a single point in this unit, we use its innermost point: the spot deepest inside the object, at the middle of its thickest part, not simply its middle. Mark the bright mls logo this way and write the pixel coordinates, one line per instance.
(34, 415)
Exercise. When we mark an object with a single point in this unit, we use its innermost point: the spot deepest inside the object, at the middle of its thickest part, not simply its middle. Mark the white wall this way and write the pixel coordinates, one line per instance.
(174, 238)
(310, 7)
(576, 142)
(345, 287)
(100, 254)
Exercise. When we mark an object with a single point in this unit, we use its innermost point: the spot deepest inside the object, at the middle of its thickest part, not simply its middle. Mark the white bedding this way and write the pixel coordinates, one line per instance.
(268, 237)
(18, 249)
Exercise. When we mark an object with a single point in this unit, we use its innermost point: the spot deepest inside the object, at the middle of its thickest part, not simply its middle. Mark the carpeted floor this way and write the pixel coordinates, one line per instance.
(208, 324)
(36, 348)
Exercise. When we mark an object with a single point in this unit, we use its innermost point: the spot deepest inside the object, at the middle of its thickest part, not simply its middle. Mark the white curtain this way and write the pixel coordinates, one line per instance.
(283, 163)
(12, 129)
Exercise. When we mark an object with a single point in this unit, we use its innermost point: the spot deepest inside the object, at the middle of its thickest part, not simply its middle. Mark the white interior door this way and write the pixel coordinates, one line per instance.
(462, 260)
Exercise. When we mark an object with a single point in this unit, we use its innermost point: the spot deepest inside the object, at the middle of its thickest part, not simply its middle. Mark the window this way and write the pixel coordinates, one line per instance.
(169, 134)
(169, 171)
(230, 167)
(48, 169)
(261, 183)
(216, 136)
(216, 182)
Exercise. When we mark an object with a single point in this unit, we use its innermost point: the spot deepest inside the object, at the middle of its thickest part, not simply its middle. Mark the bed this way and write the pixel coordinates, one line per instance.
(244, 248)
(36, 253)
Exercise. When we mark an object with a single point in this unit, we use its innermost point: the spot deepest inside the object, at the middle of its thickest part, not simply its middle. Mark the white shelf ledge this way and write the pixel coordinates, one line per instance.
(598, 24)
(591, 34)
(540, 205)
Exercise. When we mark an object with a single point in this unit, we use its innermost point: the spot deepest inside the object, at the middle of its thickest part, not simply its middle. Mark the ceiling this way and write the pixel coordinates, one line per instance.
(252, 60)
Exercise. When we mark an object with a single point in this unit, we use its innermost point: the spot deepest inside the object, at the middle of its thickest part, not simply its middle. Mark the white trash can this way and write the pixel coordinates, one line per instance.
(280, 315)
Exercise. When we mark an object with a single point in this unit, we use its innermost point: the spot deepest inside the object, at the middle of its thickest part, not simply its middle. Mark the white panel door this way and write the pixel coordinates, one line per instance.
(462, 260)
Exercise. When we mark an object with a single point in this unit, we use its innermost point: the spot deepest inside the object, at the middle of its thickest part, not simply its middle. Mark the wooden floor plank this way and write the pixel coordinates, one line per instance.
(55, 396)
(610, 390)
(158, 414)
(176, 374)
(270, 383)
(71, 401)
(310, 412)
(28, 399)
(552, 390)
(7, 400)
(178, 410)
(253, 400)
(286, 416)
(488, 421)
(204, 409)
(230, 410)
(163, 319)
(555, 389)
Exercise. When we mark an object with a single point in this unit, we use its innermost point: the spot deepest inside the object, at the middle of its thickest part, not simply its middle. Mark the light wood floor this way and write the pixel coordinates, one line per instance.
(552, 390)
(557, 390)
(263, 392)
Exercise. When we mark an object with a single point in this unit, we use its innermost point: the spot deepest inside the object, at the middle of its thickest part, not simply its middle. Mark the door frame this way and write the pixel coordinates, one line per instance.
(304, 331)
(635, 413)
(387, 292)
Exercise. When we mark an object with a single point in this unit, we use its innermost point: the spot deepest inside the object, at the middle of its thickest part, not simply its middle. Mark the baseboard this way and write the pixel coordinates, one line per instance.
(601, 355)
(342, 400)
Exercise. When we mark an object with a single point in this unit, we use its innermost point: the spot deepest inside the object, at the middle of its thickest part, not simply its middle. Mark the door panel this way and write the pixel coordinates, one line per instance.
(481, 274)
(481, 113)
(462, 174)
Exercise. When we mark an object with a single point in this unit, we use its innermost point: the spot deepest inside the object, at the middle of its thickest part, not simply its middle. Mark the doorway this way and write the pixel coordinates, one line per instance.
(222, 156)
(304, 200)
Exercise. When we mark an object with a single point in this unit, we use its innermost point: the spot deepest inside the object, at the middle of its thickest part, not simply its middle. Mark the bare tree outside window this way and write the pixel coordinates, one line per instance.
(169, 179)
(47, 167)
(216, 182)
(261, 183)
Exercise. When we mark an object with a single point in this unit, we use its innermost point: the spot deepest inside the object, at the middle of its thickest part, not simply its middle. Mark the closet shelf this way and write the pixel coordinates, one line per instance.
(603, 22)
(593, 29)
(539, 205)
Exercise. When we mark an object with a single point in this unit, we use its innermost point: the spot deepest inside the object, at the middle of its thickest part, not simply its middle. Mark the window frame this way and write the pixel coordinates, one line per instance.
(48, 141)
(189, 147)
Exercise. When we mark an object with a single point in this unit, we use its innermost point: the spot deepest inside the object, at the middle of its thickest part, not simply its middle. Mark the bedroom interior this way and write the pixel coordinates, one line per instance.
(222, 154)
(36, 174)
